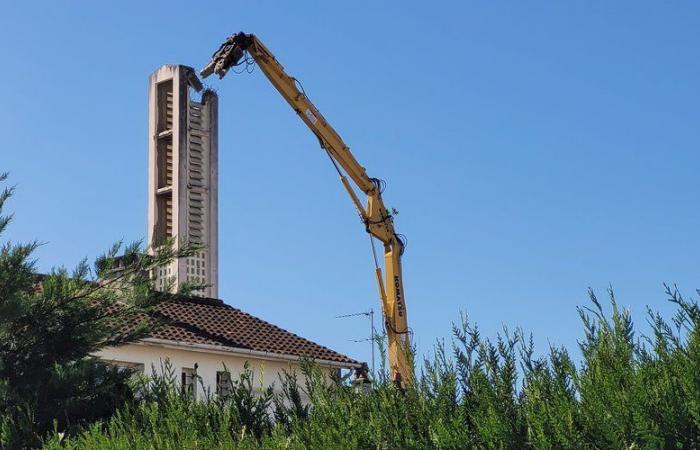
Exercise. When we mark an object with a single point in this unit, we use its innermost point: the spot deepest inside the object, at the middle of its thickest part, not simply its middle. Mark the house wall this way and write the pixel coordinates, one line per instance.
(153, 357)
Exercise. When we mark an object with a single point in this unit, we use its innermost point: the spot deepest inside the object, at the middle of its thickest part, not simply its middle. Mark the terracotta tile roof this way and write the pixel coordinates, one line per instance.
(199, 320)
(196, 320)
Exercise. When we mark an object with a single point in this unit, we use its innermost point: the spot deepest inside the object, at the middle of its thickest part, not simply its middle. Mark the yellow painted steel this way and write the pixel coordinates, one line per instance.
(378, 222)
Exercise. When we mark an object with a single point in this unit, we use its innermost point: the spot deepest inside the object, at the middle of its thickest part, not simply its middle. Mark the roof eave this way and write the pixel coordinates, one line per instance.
(220, 349)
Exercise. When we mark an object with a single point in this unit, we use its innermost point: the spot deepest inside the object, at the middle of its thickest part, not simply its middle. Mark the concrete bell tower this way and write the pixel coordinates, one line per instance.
(183, 174)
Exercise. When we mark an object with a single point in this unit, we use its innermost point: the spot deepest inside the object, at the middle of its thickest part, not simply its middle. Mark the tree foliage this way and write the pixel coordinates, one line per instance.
(50, 325)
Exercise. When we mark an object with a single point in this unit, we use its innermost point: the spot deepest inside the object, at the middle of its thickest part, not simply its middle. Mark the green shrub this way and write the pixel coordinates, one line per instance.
(625, 393)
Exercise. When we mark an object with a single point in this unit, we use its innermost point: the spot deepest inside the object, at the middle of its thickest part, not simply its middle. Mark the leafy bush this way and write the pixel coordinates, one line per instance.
(625, 393)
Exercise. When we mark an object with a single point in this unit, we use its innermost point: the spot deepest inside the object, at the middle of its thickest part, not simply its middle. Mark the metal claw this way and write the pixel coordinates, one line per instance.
(228, 55)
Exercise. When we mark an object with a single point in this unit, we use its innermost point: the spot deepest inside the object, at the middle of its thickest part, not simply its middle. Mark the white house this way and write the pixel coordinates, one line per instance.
(212, 340)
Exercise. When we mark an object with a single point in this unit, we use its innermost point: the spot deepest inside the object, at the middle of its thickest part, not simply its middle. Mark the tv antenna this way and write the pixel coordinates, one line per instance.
(372, 332)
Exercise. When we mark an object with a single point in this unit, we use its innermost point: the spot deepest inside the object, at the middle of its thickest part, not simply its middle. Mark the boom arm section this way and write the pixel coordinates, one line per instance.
(378, 222)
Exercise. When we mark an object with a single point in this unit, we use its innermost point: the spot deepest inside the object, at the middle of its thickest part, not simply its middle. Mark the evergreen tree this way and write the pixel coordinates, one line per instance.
(50, 326)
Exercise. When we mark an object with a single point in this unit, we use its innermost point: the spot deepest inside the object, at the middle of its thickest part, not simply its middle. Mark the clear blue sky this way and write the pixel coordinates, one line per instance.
(533, 149)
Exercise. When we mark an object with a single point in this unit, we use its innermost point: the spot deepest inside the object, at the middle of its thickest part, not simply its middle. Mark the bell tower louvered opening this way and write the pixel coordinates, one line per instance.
(164, 163)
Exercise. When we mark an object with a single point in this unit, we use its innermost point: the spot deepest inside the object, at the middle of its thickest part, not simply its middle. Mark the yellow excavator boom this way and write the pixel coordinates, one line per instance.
(243, 48)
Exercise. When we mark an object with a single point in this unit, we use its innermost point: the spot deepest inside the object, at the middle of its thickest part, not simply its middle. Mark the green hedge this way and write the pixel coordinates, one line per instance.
(625, 392)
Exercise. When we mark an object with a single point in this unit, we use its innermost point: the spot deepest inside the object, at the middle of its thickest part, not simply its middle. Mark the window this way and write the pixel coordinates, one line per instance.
(188, 381)
(223, 384)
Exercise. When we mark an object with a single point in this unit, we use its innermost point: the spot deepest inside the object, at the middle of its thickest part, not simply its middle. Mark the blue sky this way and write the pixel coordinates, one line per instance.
(533, 149)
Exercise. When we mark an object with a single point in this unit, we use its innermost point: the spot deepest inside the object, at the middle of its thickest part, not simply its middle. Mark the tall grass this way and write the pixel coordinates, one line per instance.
(626, 392)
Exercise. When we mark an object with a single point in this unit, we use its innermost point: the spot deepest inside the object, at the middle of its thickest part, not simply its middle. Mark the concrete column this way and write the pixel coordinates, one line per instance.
(183, 174)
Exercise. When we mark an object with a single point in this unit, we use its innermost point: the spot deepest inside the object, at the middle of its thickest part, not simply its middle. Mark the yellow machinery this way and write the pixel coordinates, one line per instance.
(246, 49)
